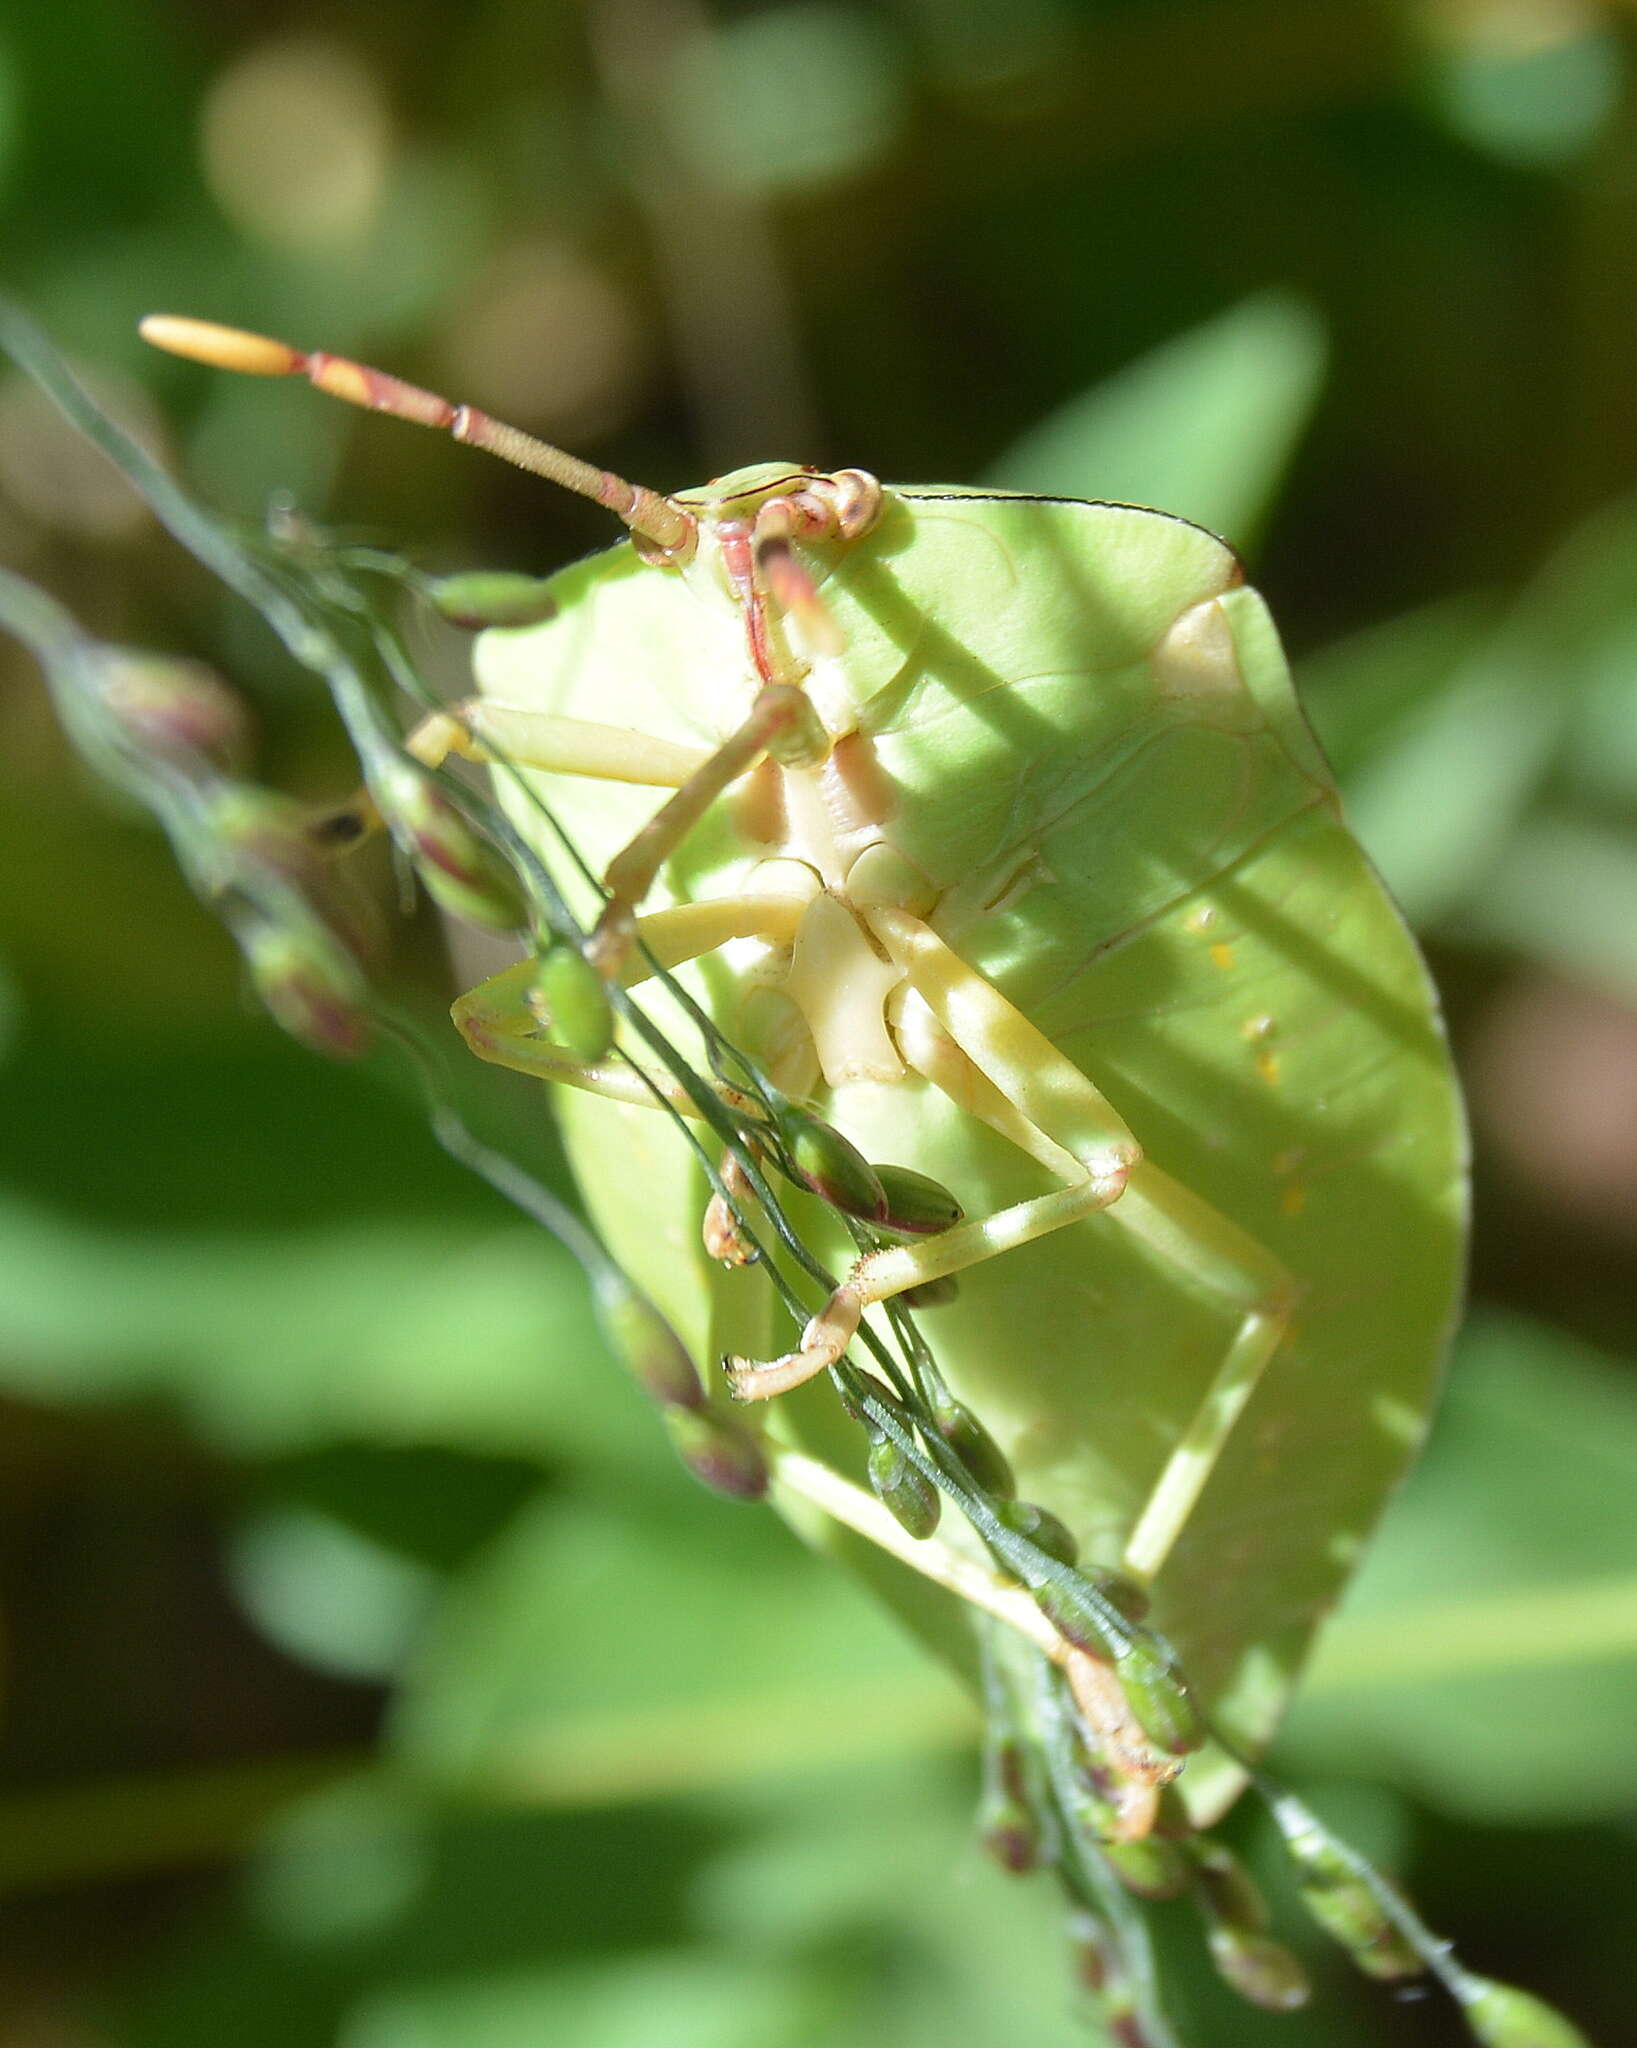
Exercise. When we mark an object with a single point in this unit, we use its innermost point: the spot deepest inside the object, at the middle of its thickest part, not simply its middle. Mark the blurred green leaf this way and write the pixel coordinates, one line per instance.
(1488, 1651)
(685, 2000)
(1601, 754)
(421, 1501)
(1537, 92)
(558, 1634)
(480, 1340)
(730, 105)
(1202, 426)
(454, 1903)
(348, 1860)
(1358, 691)
(1438, 791)
(328, 1595)
(1562, 893)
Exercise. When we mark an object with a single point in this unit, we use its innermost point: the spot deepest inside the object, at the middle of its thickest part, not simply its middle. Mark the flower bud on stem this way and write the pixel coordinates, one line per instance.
(462, 872)
(180, 711)
(311, 986)
(832, 1166)
(1501, 2016)
(480, 598)
(719, 1452)
(656, 1356)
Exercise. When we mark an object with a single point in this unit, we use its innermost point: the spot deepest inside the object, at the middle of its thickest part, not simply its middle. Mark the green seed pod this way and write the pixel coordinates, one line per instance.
(1353, 1920)
(1092, 1951)
(1342, 1900)
(576, 1001)
(1171, 1817)
(833, 1167)
(475, 598)
(462, 872)
(1351, 1917)
(1159, 1700)
(1073, 1608)
(1153, 1868)
(1088, 1810)
(1008, 1835)
(264, 851)
(1040, 1526)
(1501, 2016)
(972, 1444)
(1123, 1593)
(181, 711)
(1007, 1827)
(657, 1358)
(312, 987)
(1227, 1891)
(727, 1458)
(1100, 1968)
(260, 829)
(917, 1205)
(1263, 1972)
(902, 1488)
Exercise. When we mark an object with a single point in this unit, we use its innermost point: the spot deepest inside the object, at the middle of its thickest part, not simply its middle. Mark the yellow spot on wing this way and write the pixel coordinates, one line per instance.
(1222, 954)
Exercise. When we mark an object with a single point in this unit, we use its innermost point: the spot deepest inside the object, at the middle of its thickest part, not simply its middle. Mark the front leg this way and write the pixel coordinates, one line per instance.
(782, 723)
(501, 1021)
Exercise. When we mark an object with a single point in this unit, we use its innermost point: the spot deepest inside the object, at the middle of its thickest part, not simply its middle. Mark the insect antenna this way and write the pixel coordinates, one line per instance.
(651, 516)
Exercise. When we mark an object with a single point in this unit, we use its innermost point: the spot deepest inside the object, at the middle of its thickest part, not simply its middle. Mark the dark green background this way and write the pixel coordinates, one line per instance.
(309, 1451)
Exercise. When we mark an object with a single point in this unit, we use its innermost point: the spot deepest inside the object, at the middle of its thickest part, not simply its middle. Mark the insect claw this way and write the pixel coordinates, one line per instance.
(822, 1344)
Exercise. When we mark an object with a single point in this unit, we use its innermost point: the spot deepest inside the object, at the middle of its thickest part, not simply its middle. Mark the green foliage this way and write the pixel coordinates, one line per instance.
(267, 1355)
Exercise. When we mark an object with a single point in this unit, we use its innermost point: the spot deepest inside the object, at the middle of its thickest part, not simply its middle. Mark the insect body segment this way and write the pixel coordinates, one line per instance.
(1067, 839)
(996, 836)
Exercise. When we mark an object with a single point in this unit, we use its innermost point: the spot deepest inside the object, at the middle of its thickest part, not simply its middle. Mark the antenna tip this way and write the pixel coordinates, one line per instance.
(223, 348)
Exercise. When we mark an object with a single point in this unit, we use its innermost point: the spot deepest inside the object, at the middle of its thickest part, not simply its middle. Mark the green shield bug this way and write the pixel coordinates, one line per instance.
(998, 844)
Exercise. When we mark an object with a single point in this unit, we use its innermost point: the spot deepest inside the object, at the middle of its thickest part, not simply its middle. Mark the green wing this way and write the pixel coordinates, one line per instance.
(1136, 838)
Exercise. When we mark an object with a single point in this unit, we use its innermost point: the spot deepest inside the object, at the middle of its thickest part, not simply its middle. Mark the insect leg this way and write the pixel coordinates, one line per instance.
(502, 1024)
(479, 729)
(1212, 1256)
(1026, 1089)
(989, 1058)
(783, 723)
(1058, 1114)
